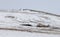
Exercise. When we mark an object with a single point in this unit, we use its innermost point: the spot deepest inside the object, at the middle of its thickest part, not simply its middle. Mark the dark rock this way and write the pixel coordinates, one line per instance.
(26, 24)
(41, 25)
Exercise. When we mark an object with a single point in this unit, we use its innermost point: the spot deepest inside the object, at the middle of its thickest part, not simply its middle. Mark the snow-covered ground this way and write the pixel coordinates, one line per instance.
(7, 33)
(29, 17)
(19, 18)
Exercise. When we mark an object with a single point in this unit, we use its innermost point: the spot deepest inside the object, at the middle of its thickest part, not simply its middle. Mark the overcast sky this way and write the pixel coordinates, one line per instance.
(52, 6)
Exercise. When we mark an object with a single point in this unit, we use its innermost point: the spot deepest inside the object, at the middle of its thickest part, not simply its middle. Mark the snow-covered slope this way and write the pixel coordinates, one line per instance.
(29, 17)
(30, 21)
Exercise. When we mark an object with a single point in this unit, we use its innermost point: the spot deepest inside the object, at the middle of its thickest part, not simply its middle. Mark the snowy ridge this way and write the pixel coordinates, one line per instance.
(32, 20)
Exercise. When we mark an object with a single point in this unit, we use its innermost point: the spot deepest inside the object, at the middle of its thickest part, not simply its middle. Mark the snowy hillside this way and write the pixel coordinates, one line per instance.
(30, 21)
(29, 17)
